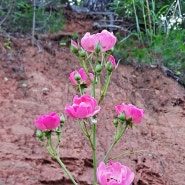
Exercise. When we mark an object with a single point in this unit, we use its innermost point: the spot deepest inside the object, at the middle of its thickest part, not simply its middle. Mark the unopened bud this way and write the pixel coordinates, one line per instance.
(98, 68)
(39, 135)
(77, 77)
(98, 48)
(74, 47)
(62, 119)
(109, 67)
(121, 117)
(82, 53)
(115, 122)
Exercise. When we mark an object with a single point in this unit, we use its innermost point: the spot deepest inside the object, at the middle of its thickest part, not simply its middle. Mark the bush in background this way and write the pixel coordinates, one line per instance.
(17, 16)
(159, 34)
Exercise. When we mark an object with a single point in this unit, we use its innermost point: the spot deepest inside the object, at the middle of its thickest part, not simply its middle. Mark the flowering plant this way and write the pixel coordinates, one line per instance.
(94, 56)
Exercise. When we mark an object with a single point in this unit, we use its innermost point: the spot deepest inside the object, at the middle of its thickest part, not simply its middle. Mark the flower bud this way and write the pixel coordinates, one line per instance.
(115, 122)
(98, 68)
(62, 119)
(121, 117)
(39, 134)
(82, 53)
(112, 60)
(77, 77)
(74, 47)
(98, 48)
(109, 67)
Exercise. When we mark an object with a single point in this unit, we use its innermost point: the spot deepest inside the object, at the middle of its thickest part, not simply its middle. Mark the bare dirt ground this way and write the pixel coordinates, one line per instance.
(34, 82)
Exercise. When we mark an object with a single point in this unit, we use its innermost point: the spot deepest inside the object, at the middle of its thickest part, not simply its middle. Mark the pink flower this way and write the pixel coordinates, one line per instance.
(47, 122)
(130, 111)
(112, 60)
(83, 77)
(83, 107)
(107, 41)
(114, 174)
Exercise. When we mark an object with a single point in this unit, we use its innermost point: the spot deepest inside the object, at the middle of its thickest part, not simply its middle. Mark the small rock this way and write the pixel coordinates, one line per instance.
(5, 79)
(45, 91)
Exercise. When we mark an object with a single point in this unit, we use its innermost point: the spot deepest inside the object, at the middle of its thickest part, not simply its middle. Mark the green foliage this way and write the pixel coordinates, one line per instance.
(151, 16)
(20, 18)
(158, 36)
(125, 8)
(142, 55)
(167, 50)
(173, 51)
(54, 22)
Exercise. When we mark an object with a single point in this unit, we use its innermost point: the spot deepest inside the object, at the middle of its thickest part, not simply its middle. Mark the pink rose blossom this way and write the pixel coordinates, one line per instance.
(47, 122)
(83, 107)
(83, 77)
(114, 174)
(130, 111)
(107, 41)
(112, 60)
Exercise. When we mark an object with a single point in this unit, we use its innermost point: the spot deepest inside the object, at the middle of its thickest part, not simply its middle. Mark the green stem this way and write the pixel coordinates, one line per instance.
(121, 133)
(45, 147)
(88, 136)
(94, 152)
(116, 139)
(105, 88)
(82, 129)
(90, 63)
(127, 153)
(137, 22)
(109, 150)
(84, 66)
(86, 133)
(65, 170)
(52, 151)
(94, 86)
(149, 20)
(59, 135)
(57, 157)
(80, 89)
(86, 71)
(95, 78)
(99, 83)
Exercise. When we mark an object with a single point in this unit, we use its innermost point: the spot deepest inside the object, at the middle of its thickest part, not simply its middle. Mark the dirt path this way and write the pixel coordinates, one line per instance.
(34, 83)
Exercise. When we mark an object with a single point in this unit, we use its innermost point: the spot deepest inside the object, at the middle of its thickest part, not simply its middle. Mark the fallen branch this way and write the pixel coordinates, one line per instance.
(171, 74)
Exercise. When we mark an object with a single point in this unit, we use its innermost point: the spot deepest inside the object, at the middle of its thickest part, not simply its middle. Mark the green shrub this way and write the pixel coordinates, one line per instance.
(21, 17)
(159, 33)
(167, 50)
